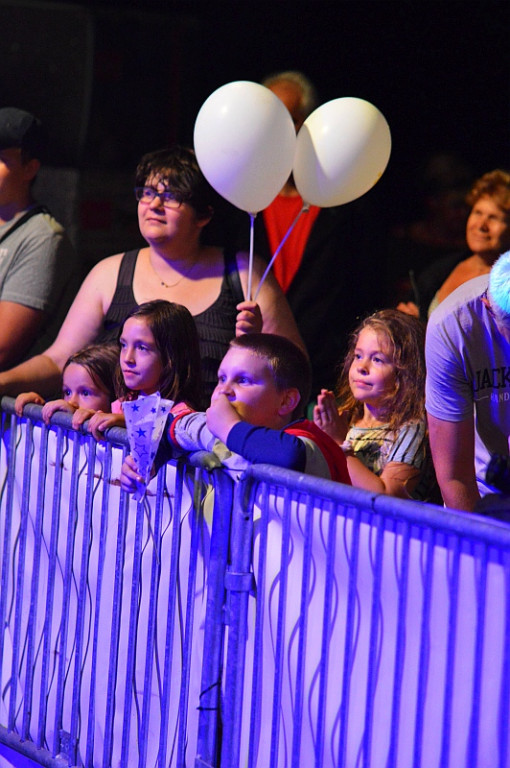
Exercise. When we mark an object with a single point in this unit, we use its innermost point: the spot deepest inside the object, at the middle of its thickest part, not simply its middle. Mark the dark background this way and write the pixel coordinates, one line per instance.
(112, 80)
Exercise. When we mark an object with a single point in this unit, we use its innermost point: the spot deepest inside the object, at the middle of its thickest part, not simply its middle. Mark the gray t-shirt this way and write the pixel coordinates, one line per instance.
(468, 371)
(39, 269)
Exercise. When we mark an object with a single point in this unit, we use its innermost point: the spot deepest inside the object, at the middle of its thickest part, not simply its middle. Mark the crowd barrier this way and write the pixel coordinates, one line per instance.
(267, 620)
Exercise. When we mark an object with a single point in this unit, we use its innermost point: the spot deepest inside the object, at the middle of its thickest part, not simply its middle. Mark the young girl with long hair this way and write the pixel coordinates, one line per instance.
(159, 352)
(87, 385)
(378, 416)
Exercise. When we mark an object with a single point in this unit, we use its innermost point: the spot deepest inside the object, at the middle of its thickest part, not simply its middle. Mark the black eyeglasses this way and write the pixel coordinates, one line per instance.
(148, 194)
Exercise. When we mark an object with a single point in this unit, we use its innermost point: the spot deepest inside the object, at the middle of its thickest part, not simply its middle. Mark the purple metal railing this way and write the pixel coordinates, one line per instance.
(379, 634)
(106, 604)
(271, 620)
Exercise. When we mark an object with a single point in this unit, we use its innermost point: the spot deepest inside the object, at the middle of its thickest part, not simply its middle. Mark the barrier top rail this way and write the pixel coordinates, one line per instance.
(470, 525)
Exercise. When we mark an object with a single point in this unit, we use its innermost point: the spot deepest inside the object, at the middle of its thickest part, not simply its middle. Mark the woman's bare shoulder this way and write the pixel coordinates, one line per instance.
(103, 276)
(243, 259)
(460, 274)
(258, 264)
(110, 264)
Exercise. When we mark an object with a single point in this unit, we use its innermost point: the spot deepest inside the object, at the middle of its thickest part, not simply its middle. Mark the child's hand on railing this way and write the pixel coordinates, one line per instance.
(24, 399)
(52, 406)
(102, 421)
(80, 416)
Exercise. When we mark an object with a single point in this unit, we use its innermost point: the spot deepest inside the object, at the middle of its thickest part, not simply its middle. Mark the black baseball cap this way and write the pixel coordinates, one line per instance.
(21, 129)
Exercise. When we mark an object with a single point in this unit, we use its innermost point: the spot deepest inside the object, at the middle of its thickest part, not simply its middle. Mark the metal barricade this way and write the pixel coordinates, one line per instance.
(106, 605)
(269, 621)
(365, 630)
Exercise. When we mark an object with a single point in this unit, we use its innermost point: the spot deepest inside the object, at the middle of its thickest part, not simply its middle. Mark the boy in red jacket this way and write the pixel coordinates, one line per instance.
(255, 414)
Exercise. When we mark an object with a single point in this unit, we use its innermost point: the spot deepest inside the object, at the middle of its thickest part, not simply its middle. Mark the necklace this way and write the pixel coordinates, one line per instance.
(172, 285)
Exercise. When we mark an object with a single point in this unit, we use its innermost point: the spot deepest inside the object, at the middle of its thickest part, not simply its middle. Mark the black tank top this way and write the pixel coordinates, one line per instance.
(215, 326)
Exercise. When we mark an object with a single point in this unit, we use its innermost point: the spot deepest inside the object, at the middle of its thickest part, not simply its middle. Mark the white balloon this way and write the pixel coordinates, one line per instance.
(342, 150)
(244, 142)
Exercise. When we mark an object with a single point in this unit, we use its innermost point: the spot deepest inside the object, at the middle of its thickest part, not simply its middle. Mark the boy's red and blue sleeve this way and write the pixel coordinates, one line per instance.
(169, 447)
(332, 453)
(261, 445)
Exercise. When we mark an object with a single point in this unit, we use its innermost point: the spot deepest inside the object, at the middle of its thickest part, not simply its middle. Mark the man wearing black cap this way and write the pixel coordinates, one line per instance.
(39, 272)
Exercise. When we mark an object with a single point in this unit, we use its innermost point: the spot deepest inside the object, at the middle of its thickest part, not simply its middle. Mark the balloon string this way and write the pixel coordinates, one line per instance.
(304, 209)
(250, 262)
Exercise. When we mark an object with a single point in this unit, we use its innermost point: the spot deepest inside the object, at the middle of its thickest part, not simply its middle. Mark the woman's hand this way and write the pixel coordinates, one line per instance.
(326, 415)
(24, 399)
(249, 319)
(101, 421)
(52, 406)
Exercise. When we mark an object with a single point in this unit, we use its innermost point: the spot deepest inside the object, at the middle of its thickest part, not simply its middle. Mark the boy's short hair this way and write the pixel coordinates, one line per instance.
(288, 363)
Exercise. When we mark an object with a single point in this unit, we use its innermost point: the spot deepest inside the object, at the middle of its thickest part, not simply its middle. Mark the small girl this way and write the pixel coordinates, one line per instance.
(380, 423)
(87, 385)
(159, 352)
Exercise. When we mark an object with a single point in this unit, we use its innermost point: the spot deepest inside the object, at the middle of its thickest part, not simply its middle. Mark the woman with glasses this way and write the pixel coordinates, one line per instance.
(174, 207)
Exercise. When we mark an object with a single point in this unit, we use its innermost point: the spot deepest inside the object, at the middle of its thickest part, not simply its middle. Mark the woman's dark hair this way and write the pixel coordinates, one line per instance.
(177, 168)
(176, 339)
(101, 361)
(404, 336)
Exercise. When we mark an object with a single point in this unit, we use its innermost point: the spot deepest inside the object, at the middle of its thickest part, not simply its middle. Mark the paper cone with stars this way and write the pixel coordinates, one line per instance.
(145, 421)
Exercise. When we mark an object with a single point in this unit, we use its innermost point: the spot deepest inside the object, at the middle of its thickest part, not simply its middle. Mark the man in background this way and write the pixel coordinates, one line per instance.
(39, 272)
(468, 384)
(332, 262)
